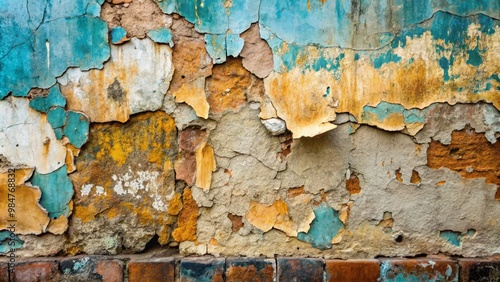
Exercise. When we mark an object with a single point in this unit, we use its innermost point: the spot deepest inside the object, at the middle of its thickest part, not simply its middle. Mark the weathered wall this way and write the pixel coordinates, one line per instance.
(346, 129)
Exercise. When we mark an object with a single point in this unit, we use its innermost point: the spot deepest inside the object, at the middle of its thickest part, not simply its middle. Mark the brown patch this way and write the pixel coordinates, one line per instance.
(399, 175)
(228, 86)
(137, 17)
(37, 92)
(189, 141)
(415, 177)
(352, 185)
(470, 154)
(4, 162)
(294, 192)
(387, 222)
(186, 223)
(237, 222)
(256, 53)
(286, 140)
(189, 56)
(440, 183)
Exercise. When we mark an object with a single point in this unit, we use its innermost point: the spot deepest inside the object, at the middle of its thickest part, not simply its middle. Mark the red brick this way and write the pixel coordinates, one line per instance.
(151, 270)
(417, 269)
(36, 271)
(250, 269)
(300, 269)
(480, 270)
(206, 268)
(110, 270)
(352, 270)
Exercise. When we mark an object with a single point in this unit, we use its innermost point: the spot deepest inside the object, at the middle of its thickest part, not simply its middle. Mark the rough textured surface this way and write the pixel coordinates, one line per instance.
(332, 129)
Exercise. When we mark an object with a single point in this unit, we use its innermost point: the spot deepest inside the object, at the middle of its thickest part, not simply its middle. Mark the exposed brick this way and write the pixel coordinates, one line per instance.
(151, 270)
(202, 269)
(250, 269)
(4, 272)
(352, 270)
(419, 269)
(110, 270)
(36, 271)
(479, 270)
(300, 269)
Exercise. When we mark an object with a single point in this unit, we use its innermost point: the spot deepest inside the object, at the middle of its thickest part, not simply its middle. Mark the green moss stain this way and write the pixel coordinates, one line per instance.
(324, 227)
(57, 191)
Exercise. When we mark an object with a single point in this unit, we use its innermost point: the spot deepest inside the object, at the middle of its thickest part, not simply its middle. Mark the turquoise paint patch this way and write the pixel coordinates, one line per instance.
(356, 57)
(324, 227)
(216, 47)
(383, 110)
(386, 58)
(453, 237)
(234, 44)
(445, 65)
(53, 99)
(324, 63)
(118, 34)
(77, 128)
(327, 93)
(66, 37)
(471, 232)
(56, 117)
(6, 242)
(474, 57)
(161, 35)
(57, 191)
(59, 132)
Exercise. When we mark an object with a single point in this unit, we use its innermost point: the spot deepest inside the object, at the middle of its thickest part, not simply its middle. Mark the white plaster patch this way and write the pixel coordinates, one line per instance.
(27, 139)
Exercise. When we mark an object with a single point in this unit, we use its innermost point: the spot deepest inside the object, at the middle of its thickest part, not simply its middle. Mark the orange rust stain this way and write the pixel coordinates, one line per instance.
(415, 177)
(228, 86)
(294, 192)
(470, 154)
(399, 175)
(237, 222)
(440, 183)
(213, 242)
(352, 185)
(186, 229)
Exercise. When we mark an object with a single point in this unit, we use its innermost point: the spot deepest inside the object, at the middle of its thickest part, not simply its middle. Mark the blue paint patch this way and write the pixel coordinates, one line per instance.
(56, 117)
(57, 191)
(474, 58)
(77, 128)
(445, 65)
(386, 58)
(328, 92)
(453, 237)
(161, 35)
(9, 241)
(38, 44)
(324, 63)
(118, 34)
(59, 132)
(53, 99)
(216, 47)
(325, 226)
(234, 44)
(356, 57)
(383, 110)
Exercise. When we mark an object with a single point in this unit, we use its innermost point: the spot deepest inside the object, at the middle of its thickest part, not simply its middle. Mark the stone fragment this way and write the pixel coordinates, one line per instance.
(134, 80)
(256, 53)
(29, 216)
(39, 149)
(470, 154)
(153, 269)
(250, 269)
(275, 126)
(228, 86)
(475, 270)
(352, 270)
(9, 241)
(300, 269)
(205, 165)
(123, 184)
(202, 269)
(36, 271)
(186, 222)
(415, 269)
